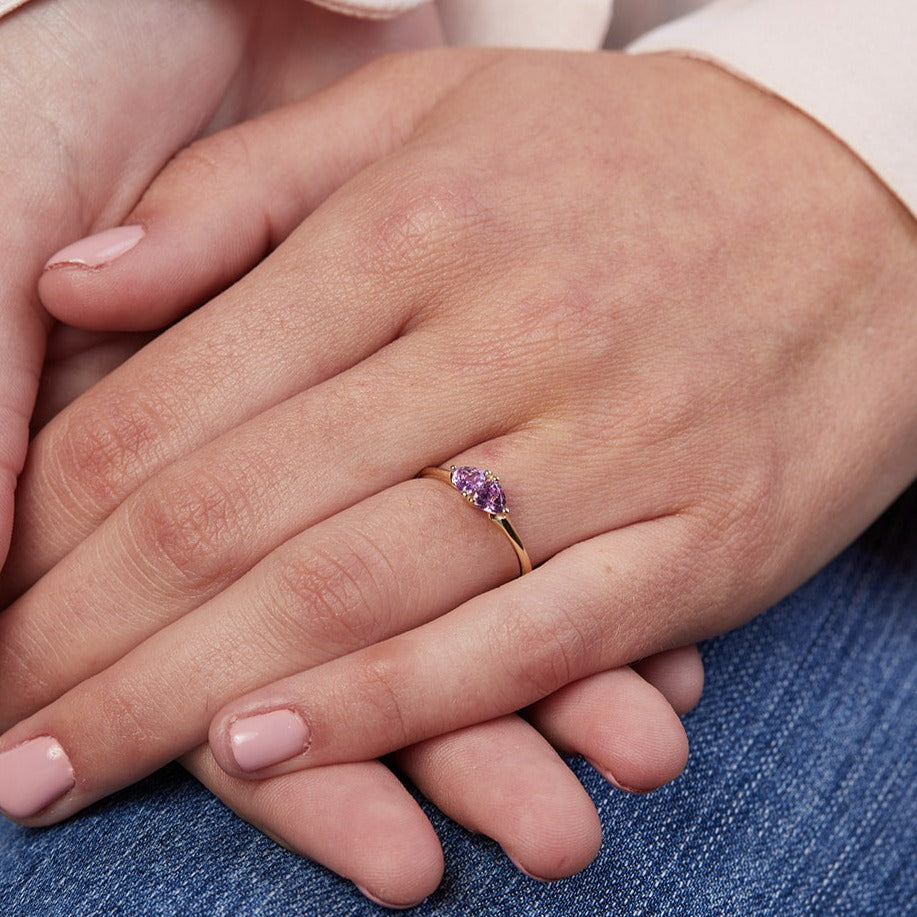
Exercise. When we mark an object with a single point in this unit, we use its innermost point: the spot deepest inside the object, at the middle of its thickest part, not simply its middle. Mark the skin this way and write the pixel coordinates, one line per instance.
(501, 778)
(79, 180)
(87, 133)
(732, 355)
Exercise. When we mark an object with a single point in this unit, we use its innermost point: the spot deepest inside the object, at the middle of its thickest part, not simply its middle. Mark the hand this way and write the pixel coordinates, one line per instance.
(500, 779)
(84, 132)
(92, 110)
(617, 718)
(708, 487)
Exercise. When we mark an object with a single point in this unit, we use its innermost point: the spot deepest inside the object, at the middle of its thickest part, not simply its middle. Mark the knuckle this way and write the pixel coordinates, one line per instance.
(421, 219)
(381, 684)
(552, 651)
(190, 527)
(739, 532)
(215, 160)
(128, 722)
(102, 450)
(731, 551)
(328, 599)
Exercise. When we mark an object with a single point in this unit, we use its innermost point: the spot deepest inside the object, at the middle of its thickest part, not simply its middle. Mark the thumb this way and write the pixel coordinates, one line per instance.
(227, 200)
(23, 329)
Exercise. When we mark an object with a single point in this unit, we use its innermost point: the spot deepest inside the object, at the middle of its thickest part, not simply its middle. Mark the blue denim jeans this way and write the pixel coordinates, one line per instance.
(800, 797)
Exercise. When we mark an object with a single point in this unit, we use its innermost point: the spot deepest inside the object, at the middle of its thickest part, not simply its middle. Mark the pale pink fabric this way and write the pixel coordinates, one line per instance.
(7, 6)
(371, 9)
(850, 65)
(572, 24)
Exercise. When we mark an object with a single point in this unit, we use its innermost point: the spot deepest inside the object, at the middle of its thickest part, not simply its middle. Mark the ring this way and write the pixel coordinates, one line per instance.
(483, 489)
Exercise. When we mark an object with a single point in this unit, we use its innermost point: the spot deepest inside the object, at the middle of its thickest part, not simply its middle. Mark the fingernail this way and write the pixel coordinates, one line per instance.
(98, 250)
(381, 903)
(32, 776)
(268, 738)
(525, 872)
(610, 777)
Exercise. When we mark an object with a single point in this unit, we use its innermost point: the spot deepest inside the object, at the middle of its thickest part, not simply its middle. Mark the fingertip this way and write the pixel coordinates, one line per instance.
(621, 724)
(566, 840)
(396, 859)
(677, 674)
(165, 272)
(356, 819)
(503, 780)
(408, 867)
(261, 737)
(648, 765)
(646, 752)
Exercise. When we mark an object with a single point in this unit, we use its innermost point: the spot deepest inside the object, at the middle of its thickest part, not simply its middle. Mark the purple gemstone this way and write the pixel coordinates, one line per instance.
(491, 498)
(483, 490)
(468, 479)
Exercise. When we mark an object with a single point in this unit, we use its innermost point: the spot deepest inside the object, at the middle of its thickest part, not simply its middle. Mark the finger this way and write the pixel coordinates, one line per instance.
(228, 199)
(356, 819)
(288, 326)
(354, 579)
(191, 532)
(342, 585)
(206, 521)
(193, 529)
(677, 674)
(74, 362)
(500, 651)
(351, 581)
(502, 779)
(621, 724)
(23, 327)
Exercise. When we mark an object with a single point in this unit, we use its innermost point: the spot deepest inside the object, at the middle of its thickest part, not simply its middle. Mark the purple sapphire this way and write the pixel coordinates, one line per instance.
(480, 487)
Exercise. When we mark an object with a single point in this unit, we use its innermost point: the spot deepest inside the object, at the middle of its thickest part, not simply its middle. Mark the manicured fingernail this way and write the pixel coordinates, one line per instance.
(268, 738)
(98, 250)
(32, 776)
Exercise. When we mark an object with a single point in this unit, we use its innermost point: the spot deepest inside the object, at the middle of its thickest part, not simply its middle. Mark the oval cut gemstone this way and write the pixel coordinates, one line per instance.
(480, 487)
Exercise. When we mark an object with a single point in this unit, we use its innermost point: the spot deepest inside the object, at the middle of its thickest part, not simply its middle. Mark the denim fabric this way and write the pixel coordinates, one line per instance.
(799, 798)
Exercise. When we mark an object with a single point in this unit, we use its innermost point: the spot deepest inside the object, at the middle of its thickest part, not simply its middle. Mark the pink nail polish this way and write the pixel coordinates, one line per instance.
(268, 738)
(32, 776)
(98, 250)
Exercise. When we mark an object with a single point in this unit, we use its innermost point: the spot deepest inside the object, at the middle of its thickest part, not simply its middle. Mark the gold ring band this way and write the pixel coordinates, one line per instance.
(483, 490)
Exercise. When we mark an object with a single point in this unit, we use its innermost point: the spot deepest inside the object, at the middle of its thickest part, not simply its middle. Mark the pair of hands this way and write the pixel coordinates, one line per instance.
(502, 778)
(683, 373)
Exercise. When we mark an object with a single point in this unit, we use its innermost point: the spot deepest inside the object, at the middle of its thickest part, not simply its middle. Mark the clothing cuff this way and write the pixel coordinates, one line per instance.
(370, 9)
(574, 25)
(851, 66)
(7, 6)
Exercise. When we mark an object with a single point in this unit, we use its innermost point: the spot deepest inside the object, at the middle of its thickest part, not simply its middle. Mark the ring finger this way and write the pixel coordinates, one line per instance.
(386, 565)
